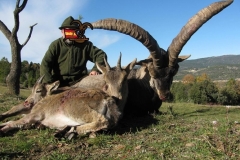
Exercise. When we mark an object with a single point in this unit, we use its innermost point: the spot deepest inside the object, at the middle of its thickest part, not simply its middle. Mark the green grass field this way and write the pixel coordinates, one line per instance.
(181, 131)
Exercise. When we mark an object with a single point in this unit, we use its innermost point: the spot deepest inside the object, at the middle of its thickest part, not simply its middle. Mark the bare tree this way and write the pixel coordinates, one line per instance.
(15, 71)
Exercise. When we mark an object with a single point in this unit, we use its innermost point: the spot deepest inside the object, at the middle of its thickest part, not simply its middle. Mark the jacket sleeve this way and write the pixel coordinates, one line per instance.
(47, 65)
(97, 55)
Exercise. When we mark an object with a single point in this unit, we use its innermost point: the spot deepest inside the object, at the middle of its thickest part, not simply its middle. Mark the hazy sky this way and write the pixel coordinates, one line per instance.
(163, 19)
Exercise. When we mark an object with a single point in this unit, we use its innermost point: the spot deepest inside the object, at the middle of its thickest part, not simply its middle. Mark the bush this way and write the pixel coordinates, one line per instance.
(229, 95)
(180, 91)
(199, 92)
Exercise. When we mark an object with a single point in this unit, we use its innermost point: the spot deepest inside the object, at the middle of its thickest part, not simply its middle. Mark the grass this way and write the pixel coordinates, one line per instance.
(24, 93)
(182, 131)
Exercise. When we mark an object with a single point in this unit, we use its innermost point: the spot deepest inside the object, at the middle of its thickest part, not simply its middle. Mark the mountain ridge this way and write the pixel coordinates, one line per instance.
(222, 67)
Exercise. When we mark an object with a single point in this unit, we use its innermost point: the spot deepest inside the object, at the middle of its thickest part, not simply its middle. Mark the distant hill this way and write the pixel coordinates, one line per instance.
(217, 68)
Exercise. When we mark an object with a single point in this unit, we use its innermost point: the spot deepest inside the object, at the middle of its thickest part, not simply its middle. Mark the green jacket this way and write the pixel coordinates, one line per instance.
(67, 63)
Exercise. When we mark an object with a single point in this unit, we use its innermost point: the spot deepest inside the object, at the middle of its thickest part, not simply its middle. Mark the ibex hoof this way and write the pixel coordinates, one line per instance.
(61, 133)
(92, 135)
(70, 135)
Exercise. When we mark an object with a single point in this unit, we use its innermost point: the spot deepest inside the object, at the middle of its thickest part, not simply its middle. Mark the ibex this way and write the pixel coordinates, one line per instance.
(88, 110)
(39, 91)
(150, 84)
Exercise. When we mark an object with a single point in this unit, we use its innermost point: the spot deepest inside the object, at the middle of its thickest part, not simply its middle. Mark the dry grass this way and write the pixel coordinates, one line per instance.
(23, 92)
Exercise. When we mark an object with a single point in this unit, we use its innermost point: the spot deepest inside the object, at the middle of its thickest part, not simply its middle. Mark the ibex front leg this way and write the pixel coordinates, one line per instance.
(16, 110)
(21, 123)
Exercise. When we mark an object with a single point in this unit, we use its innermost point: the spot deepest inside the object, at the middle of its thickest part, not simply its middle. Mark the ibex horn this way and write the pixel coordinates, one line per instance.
(107, 64)
(135, 32)
(119, 62)
(192, 26)
(40, 79)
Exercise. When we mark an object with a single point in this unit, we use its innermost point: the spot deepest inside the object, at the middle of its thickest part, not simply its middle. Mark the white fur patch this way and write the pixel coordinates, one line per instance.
(60, 120)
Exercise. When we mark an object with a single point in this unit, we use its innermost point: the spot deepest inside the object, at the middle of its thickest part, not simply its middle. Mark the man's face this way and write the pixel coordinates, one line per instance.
(69, 33)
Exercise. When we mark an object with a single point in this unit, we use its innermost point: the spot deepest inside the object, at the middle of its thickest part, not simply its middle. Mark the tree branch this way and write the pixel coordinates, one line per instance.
(16, 12)
(23, 5)
(5, 30)
(29, 36)
(20, 8)
(17, 4)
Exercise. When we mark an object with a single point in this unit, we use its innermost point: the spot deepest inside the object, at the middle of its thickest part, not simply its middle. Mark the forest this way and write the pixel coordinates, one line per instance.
(202, 90)
(30, 72)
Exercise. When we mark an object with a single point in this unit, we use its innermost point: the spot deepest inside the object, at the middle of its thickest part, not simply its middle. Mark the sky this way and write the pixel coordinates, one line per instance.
(162, 19)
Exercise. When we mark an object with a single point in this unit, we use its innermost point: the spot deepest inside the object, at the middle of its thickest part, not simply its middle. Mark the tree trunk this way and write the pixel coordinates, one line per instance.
(13, 77)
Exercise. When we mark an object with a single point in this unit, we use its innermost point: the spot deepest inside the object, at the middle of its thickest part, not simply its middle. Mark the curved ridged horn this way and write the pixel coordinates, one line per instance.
(134, 31)
(119, 62)
(192, 26)
(40, 79)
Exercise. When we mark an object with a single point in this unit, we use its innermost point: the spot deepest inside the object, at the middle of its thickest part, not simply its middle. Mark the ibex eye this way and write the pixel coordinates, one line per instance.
(38, 91)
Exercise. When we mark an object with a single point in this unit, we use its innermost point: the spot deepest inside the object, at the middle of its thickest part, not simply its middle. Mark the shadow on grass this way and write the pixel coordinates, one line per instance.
(133, 124)
(11, 155)
(206, 111)
(197, 112)
(9, 133)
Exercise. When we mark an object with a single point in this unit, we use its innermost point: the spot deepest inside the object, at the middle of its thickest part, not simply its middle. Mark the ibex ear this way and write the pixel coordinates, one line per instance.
(144, 62)
(105, 88)
(182, 58)
(130, 66)
(101, 68)
(52, 87)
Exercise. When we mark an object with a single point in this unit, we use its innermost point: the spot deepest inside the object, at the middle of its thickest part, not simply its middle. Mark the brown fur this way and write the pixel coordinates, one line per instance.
(90, 109)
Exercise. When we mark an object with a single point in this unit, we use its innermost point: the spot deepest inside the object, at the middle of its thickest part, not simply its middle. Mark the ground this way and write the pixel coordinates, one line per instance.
(181, 131)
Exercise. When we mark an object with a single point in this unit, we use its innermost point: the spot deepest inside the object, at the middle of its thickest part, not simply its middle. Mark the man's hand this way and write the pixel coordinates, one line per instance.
(93, 73)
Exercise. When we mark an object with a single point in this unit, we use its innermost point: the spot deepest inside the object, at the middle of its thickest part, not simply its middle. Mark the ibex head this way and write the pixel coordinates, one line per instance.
(163, 65)
(116, 78)
(39, 91)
